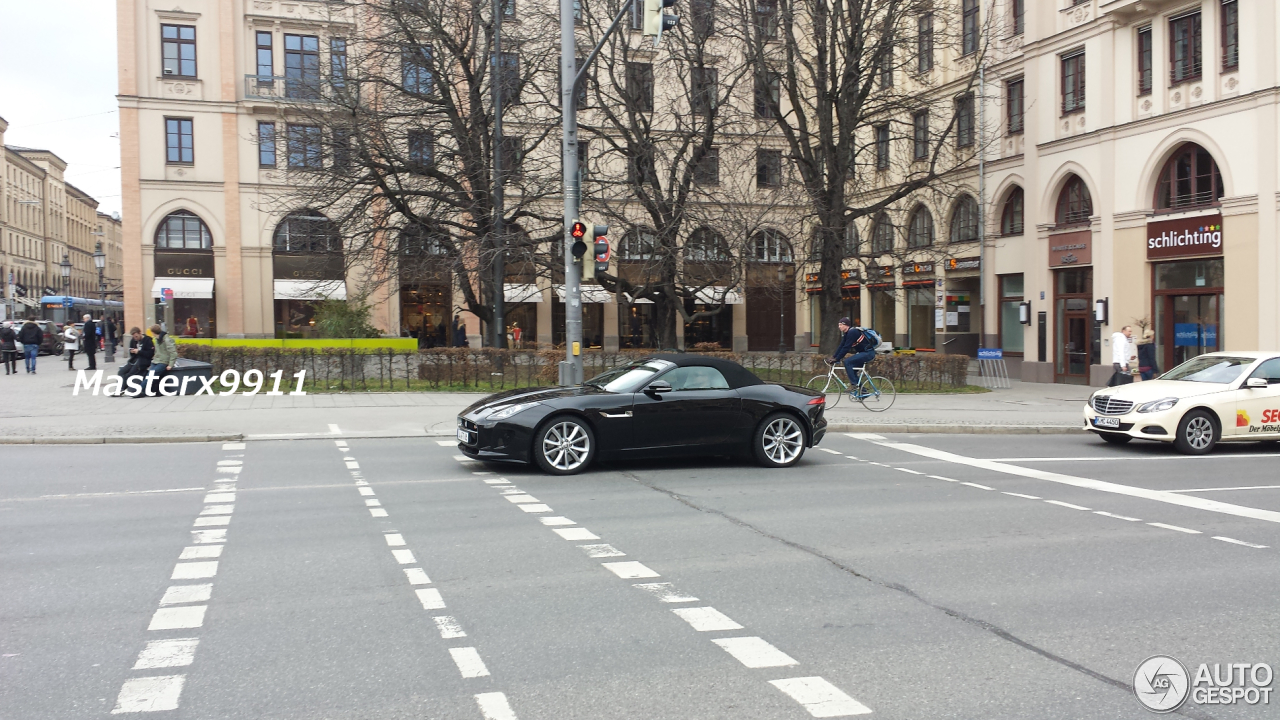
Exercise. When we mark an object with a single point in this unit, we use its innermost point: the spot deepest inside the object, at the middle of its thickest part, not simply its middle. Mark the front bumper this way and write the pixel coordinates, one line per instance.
(1146, 426)
(494, 441)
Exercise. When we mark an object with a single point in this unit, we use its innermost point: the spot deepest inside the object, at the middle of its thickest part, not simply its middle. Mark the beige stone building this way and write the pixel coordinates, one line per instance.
(44, 220)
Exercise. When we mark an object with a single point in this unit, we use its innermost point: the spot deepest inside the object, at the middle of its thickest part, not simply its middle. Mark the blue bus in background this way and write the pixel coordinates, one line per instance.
(65, 308)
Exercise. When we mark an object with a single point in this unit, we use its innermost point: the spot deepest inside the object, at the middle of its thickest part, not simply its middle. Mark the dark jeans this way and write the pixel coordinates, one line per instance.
(855, 361)
(30, 351)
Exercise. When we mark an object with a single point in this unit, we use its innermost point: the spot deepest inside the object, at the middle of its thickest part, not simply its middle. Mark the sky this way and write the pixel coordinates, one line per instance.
(58, 87)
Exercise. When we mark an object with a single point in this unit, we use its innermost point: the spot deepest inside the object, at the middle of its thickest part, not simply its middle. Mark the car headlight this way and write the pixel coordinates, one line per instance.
(1158, 405)
(508, 411)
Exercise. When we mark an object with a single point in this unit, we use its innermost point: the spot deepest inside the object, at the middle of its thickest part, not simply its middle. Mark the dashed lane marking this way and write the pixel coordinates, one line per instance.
(404, 556)
(939, 477)
(218, 510)
(447, 443)
(974, 485)
(176, 652)
(820, 698)
(630, 570)
(521, 498)
(754, 652)
(430, 599)
(706, 619)
(602, 551)
(469, 663)
(208, 536)
(365, 490)
(178, 618)
(334, 429)
(535, 508)
(377, 512)
(183, 594)
(232, 446)
(665, 592)
(494, 706)
(909, 470)
(394, 539)
(575, 533)
(496, 481)
(1118, 517)
(449, 627)
(194, 570)
(212, 520)
(226, 497)
(556, 520)
(230, 463)
(149, 694)
(417, 576)
(1175, 528)
(1066, 505)
(864, 436)
(122, 492)
(200, 552)
(1243, 487)
(373, 503)
(829, 450)
(1020, 495)
(1238, 542)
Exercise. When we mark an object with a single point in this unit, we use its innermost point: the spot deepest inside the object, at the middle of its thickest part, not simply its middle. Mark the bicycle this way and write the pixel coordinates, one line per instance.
(875, 393)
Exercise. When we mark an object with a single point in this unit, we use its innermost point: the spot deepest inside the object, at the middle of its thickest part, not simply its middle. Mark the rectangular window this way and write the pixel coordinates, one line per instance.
(1145, 66)
(768, 169)
(637, 15)
(179, 147)
(1016, 104)
(507, 68)
(508, 9)
(766, 19)
(704, 18)
(969, 27)
(338, 62)
(885, 66)
(305, 151)
(1073, 82)
(640, 86)
(924, 43)
(964, 120)
(415, 70)
(265, 58)
(767, 95)
(422, 152)
(512, 158)
(1018, 10)
(705, 90)
(882, 147)
(302, 67)
(1230, 35)
(266, 144)
(341, 148)
(1184, 48)
(707, 171)
(920, 135)
(178, 46)
(577, 12)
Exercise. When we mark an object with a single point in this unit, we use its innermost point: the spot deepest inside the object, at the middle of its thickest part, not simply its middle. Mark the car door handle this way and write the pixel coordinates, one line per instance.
(626, 414)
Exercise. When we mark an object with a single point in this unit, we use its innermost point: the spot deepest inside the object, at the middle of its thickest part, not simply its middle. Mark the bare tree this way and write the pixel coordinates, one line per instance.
(875, 103)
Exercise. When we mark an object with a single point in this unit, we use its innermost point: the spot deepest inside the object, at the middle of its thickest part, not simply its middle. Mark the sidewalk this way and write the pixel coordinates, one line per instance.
(41, 409)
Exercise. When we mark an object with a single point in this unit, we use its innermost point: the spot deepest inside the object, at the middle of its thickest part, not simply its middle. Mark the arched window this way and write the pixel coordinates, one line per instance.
(637, 244)
(882, 234)
(1189, 178)
(770, 246)
(307, 232)
(1011, 216)
(964, 220)
(920, 231)
(1075, 206)
(183, 231)
(424, 241)
(706, 245)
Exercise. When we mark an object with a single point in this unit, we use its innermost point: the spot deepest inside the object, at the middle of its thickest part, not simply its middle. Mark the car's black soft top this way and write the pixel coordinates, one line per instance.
(736, 375)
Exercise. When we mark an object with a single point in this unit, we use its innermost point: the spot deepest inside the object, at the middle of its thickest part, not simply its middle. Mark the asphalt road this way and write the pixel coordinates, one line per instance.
(909, 576)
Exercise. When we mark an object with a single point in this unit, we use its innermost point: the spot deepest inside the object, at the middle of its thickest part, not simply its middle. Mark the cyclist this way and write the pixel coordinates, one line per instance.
(857, 348)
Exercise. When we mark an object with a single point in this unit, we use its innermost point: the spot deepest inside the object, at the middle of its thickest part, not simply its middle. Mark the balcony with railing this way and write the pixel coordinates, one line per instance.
(304, 89)
(1181, 71)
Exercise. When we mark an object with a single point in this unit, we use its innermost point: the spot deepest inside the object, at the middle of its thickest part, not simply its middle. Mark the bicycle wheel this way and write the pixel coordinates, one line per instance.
(830, 388)
(876, 393)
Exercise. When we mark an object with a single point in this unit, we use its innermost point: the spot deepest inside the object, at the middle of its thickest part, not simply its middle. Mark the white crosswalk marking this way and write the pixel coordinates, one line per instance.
(754, 652)
(494, 706)
(820, 698)
(177, 652)
(602, 551)
(706, 619)
(178, 618)
(200, 552)
(449, 627)
(417, 576)
(469, 663)
(194, 570)
(182, 594)
(149, 694)
(430, 599)
(576, 534)
(630, 570)
(665, 592)
(404, 556)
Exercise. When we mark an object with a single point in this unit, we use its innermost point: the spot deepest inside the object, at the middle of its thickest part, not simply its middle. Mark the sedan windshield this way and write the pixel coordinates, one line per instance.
(629, 377)
(1209, 369)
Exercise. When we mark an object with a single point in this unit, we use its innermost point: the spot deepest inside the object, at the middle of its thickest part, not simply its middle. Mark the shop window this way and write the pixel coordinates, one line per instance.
(1075, 205)
(1011, 215)
(1189, 179)
(1011, 329)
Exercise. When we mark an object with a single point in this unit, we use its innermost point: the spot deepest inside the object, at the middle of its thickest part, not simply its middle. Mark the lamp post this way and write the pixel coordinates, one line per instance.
(66, 275)
(100, 262)
(782, 308)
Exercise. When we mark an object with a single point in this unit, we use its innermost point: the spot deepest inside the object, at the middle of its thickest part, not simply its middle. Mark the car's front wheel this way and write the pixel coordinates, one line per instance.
(1197, 434)
(779, 441)
(564, 446)
(1115, 438)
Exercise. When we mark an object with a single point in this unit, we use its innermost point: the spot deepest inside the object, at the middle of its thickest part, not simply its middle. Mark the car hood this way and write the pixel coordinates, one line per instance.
(1149, 390)
(534, 394)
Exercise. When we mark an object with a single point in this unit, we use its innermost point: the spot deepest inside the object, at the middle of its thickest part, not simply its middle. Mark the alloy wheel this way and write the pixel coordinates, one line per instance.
(1199, 432)
(783, 441)
(566, 446)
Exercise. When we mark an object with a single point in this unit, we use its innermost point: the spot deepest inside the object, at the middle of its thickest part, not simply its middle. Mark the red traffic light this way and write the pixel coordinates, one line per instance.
(578, 229)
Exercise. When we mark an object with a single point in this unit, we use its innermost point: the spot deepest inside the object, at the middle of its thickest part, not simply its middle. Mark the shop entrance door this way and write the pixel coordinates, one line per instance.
(1073, 296)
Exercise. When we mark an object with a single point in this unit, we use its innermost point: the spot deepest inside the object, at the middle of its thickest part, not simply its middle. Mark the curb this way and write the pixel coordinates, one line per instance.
(118, 439)
(955, 429)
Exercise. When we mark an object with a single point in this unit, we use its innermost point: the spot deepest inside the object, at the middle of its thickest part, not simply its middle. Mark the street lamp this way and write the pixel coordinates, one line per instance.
(782, 308)
(100, 262)
(66, 285)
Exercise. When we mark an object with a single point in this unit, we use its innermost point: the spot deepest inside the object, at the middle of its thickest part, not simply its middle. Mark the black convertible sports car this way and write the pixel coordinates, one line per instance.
(662, 405)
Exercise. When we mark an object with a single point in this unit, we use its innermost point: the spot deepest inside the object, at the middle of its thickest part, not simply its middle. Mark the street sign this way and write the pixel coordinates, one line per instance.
(167, 293)
(68, 303)
(990, 354)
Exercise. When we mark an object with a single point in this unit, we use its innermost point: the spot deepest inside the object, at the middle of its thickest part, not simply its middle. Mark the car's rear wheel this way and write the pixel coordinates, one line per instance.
(1115, 438)
(564, 446)
(779, 441)
(1198, 433)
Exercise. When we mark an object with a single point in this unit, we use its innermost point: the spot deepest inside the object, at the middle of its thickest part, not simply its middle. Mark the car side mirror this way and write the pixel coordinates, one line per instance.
(1255, 383)
(658, 387)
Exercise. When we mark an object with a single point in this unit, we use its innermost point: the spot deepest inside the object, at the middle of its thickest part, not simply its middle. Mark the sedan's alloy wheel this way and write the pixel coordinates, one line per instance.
(565, 446)
(783, 441)
(1199, 432)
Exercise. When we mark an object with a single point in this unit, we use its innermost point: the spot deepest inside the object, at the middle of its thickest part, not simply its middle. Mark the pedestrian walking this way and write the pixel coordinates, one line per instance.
(9, 349)
(141, 351)
(460, 334)
(1121, 354)
(30, 336)
(1148, 368)
(70, 344)
(89, 341)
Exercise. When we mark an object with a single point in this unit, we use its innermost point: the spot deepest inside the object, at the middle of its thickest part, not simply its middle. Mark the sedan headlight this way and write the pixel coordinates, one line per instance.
(1158, 405)
(506, 412)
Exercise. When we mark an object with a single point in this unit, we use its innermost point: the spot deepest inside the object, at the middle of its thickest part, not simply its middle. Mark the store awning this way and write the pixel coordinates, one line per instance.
(590, 294)
(716, 295)
(310, 290)
(517, 293)
(183, 288)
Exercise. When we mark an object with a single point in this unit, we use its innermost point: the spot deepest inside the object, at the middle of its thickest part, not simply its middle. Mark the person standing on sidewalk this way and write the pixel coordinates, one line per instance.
(9, 349)
(89, 341)
(1121, 351)
(70, 343)
(113, 334)
(30, 336)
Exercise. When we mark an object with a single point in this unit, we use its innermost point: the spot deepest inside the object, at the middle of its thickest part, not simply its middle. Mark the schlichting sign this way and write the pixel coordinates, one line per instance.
(1185, 237)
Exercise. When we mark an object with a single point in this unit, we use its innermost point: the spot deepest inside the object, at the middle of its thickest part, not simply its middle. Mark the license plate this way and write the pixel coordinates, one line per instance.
(1106, 422)
(464, 436)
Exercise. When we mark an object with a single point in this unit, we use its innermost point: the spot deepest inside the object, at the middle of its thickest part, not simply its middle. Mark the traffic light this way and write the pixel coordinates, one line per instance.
(578, 231)
(601, 249)
(655, 21)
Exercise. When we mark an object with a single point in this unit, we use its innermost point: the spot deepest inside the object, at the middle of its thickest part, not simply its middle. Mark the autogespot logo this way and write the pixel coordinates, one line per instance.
(1161, 684)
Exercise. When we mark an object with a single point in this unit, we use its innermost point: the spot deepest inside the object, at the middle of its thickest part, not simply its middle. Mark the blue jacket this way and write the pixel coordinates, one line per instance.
(851, 340)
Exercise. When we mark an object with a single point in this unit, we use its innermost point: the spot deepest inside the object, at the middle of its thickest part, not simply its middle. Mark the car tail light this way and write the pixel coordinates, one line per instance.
(820, 400)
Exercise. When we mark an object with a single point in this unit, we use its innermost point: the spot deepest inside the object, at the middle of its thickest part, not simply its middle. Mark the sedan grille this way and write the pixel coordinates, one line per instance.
(1107, 405)
(466, 424)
